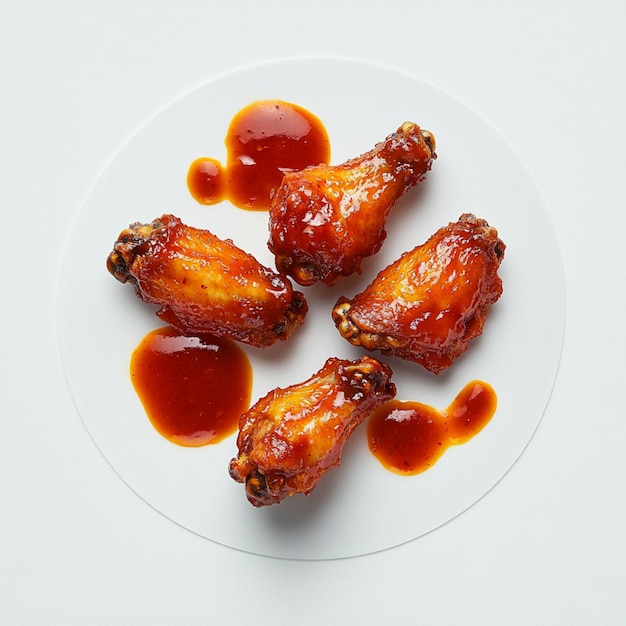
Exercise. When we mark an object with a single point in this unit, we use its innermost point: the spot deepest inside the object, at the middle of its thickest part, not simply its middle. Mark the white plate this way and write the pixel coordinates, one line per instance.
(359, 507)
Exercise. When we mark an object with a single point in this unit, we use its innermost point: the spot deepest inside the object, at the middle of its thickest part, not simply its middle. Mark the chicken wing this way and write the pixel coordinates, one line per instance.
(432, 301)
(290, 438)
(324, 220)
(204, 284)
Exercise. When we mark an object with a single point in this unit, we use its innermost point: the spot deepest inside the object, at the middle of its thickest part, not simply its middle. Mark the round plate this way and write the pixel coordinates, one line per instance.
(359, 507)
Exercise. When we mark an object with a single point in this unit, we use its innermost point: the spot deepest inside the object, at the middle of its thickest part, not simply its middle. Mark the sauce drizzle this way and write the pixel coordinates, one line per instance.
(193, 389)
(410, 437)
(264, 140)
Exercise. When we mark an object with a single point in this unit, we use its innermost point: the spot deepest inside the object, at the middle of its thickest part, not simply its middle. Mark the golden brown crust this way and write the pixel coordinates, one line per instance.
(324, 219)
(432, 301)
(204, 284)
(290, 438)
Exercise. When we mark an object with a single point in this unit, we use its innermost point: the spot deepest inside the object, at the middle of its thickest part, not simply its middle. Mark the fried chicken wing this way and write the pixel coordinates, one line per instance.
(432, 301)
(290, 438)
(324, 220)
(204, 284)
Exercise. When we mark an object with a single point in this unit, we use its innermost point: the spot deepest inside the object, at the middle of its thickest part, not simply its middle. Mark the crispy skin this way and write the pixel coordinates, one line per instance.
(290, 438)
(324, 220)
(206, 285)
(432, 301)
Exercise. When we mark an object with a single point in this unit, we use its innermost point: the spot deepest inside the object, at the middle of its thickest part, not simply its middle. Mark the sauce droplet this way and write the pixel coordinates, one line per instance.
(409, 437)
(264, 140)
(194, 389)
(206, 180)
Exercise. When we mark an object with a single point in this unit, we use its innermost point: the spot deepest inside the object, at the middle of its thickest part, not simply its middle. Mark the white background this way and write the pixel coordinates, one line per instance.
(545, 546)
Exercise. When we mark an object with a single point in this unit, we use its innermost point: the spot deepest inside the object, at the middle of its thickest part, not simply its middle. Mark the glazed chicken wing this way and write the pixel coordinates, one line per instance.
(432, 301)
(290, 438)
(324, 219)
(204, 284)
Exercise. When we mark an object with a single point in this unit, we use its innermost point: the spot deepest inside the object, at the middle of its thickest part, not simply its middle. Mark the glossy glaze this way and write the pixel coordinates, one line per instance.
(291, 437)
(204, 284)
(326, 219)
(430, 303)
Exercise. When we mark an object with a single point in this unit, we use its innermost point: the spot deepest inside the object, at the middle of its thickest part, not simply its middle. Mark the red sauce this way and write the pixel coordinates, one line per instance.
(206, 181)
(193, 389)
(264, 140)
(409, 437)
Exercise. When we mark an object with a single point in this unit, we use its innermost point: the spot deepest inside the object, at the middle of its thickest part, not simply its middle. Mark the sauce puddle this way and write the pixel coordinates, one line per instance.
(264, 140)
(193, 389)
(410, 437)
